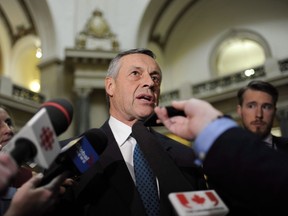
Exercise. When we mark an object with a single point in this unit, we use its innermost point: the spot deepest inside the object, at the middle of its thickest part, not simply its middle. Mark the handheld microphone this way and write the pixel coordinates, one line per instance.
(37, 139)
(78, 155)
(171, 111)
(198, 203)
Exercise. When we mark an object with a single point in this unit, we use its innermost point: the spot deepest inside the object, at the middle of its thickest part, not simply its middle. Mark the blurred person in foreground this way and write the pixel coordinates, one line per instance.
(23, 174)
(257, 106)
(6, 127)
(241, 168)
(19, 191)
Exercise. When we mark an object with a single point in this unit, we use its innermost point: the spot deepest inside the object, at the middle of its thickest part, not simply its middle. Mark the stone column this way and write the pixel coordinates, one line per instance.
(82, 110)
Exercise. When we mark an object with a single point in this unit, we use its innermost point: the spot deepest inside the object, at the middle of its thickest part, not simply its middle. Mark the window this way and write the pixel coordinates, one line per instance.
(239, 50)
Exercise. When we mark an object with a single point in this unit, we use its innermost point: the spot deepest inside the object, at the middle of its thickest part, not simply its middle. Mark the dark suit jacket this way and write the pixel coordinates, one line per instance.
(251, 178)
(108, 188)
(281, 143)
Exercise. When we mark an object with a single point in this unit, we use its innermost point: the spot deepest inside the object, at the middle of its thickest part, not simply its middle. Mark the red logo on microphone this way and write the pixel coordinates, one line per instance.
(198, 203)
(47, 138)
(197, 199)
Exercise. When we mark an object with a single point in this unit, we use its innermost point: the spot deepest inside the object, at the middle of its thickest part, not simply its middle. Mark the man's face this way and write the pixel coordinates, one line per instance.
(135, 91)
(6, 128)
(257, 112)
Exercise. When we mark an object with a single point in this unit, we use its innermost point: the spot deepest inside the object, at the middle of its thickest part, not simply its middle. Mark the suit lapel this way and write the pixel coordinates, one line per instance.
(118, 174)
(281, 143)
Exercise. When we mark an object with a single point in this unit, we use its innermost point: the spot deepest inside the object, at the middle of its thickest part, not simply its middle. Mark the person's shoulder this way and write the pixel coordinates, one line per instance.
(280, 137)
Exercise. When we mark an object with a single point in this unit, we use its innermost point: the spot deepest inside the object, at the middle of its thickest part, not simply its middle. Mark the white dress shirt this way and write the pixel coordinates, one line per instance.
(125, 142)
(269, 141)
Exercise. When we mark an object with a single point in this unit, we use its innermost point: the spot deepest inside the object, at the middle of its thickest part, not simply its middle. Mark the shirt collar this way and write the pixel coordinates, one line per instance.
(268, 139)
(120, 130)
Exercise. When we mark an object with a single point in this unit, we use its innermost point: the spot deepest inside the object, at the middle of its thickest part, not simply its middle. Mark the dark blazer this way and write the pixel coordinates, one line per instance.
(281, 143)
(108, 188)
(251, 178)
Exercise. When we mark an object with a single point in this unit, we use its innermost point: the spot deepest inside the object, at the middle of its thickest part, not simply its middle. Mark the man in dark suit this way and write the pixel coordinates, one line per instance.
(240, 166)
(110, 187)
(257, 109)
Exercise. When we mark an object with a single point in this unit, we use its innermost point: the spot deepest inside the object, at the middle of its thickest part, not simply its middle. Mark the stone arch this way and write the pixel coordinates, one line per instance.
(46, 30)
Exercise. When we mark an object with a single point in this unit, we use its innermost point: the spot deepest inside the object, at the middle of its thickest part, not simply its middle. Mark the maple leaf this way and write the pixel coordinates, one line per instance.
(198, 199)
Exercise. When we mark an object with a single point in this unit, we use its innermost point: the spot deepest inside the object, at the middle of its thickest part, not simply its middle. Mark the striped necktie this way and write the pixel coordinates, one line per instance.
(146, 183)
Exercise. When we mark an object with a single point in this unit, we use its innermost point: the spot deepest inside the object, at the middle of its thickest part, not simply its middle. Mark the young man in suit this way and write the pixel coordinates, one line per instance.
(110, 187)
(257, 109)
(241, 167)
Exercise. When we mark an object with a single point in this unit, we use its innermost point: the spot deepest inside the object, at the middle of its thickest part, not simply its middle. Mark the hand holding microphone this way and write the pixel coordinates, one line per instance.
(33, 200)
(38, 137)
(198, 114)
(78, 155)
(152, 120)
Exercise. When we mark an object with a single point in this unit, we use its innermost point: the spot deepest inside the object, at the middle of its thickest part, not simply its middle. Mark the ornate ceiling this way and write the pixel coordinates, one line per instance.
(162, 15)
(168, 13)
(16, 18)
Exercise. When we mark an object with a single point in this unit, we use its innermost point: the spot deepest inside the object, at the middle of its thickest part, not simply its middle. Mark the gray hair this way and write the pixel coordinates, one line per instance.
(113, 68)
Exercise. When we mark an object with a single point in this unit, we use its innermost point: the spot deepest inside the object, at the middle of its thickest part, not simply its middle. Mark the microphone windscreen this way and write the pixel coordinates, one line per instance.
(60, 112)
(97, 138)
(24, 151)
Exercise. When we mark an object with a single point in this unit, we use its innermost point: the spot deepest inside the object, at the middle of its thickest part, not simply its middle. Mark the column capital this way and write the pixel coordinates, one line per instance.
(83, 92)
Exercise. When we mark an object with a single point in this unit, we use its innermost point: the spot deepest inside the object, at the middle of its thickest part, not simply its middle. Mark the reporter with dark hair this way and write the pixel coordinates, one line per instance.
(236, 161)
(257, 106)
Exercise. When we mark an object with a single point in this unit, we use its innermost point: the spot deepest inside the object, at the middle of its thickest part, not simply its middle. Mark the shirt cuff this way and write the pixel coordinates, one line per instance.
(207, 137)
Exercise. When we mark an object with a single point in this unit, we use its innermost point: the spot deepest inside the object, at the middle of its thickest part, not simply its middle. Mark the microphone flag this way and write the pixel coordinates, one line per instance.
(84, 156)
(198, 203)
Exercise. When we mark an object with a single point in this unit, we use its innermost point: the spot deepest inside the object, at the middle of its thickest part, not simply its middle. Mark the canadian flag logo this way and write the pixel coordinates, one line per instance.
(198, 203)
(197, 199)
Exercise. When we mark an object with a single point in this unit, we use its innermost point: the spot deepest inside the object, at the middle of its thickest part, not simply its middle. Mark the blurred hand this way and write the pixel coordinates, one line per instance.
(199, 114)
(32, 200)
(68, 182)
(8, 169)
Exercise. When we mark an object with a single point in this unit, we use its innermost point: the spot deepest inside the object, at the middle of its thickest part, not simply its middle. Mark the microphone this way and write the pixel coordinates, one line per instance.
(78, 155)
(171, 111)
(38, 137)
(196, 203)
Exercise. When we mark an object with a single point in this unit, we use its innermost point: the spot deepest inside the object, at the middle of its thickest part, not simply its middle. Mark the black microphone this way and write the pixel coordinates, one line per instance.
(37, 139)
(171, 111)
(60, 113)
(78, 155)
